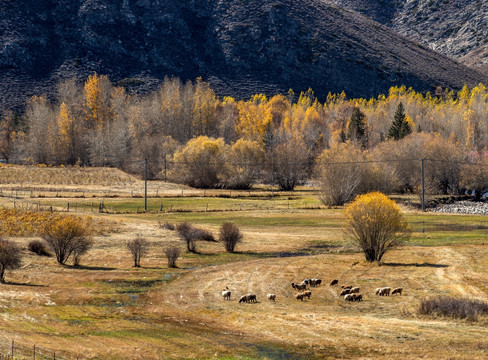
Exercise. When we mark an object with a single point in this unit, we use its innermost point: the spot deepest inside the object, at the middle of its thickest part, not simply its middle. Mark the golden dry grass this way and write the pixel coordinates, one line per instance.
(107, 309)
(34, 181)
(378, 327)
(180, 313)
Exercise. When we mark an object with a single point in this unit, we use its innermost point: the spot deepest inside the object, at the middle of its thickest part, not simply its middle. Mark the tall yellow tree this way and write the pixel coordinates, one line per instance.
(97, 100)
(64, 136)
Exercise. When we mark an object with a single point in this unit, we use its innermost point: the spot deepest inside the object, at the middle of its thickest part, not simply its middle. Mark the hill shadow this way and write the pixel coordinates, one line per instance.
(394, 264)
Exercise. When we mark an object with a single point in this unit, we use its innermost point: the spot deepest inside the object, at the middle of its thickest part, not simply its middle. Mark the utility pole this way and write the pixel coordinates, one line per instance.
(145, 185)
(165, 169)
(423, 184)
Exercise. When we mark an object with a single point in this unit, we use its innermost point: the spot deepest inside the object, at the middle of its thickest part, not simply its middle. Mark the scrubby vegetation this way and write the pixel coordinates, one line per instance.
(453, 307)
(38, 247)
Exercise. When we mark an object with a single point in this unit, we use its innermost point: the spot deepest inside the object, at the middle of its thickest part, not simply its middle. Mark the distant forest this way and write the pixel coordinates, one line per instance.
(189, 135)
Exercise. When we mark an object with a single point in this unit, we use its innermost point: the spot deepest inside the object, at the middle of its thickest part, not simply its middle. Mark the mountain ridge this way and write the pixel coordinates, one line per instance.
(240, 47)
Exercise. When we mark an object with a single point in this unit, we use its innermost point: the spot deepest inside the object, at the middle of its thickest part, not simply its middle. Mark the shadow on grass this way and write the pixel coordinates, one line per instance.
(22, 284)
(85, 267)
(393, 264)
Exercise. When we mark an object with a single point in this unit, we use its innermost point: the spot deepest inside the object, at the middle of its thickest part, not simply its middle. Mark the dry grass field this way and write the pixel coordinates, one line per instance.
(107, 309)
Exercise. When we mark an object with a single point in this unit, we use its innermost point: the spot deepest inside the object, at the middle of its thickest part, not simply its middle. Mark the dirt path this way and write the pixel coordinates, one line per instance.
(453, 276)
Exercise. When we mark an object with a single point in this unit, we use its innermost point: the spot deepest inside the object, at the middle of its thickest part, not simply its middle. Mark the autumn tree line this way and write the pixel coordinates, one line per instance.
(348, 146)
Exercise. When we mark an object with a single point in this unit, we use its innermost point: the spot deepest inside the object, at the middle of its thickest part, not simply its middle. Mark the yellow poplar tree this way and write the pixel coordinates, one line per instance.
(97, 100)
(65, 123)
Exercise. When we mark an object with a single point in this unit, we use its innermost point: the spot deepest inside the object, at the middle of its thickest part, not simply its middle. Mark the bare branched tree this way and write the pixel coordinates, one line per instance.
(138, 248)
(187, 233)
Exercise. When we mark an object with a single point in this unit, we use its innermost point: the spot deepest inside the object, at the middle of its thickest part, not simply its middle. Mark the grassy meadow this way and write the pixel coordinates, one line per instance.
(107, 309)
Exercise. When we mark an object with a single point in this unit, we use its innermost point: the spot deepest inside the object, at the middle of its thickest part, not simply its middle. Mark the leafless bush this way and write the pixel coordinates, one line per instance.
(172, 253)
(168, 226)
(230, 236)
(138, 248)
(457, 308)
(10, 257)
(191, 235)
(38, 247)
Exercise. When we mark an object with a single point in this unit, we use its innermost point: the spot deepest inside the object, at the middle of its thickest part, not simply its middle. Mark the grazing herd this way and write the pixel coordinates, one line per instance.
(350, 293)
(385, 291)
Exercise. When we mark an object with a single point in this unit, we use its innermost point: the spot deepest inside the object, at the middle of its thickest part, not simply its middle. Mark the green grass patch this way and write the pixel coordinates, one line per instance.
(189, 204)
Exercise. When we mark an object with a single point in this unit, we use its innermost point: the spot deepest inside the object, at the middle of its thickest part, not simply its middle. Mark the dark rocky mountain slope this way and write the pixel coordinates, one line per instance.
(456, 28)
(240, 46)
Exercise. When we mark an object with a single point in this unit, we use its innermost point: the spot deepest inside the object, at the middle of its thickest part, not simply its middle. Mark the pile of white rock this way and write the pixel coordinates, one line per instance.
(463, 207)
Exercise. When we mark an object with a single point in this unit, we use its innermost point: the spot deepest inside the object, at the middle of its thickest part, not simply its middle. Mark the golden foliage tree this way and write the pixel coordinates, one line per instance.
(375, 223)
(199, 163)
(66, 236)
(65, 133)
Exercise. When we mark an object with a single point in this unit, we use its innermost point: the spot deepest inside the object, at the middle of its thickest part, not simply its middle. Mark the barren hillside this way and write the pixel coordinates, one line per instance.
(240, 47)
(456, 28)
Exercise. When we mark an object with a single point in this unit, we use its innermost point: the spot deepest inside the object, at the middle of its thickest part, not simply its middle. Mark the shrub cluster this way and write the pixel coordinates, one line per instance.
(458, 308)
(168, 226)
(38, 247)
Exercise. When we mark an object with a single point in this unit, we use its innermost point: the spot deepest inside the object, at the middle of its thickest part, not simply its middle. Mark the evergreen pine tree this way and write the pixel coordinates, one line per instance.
(357, 129)
(399, 127)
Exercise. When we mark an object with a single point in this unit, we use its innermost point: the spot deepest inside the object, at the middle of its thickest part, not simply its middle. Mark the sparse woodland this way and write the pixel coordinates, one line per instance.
(191, 136)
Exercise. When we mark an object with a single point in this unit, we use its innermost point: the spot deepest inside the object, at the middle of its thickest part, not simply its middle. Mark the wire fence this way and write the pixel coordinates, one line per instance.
(91, 199)
(15, 351)
(184, 201)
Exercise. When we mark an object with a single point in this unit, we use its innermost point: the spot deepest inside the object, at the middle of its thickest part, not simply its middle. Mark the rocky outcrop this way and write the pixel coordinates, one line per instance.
(240, 47)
